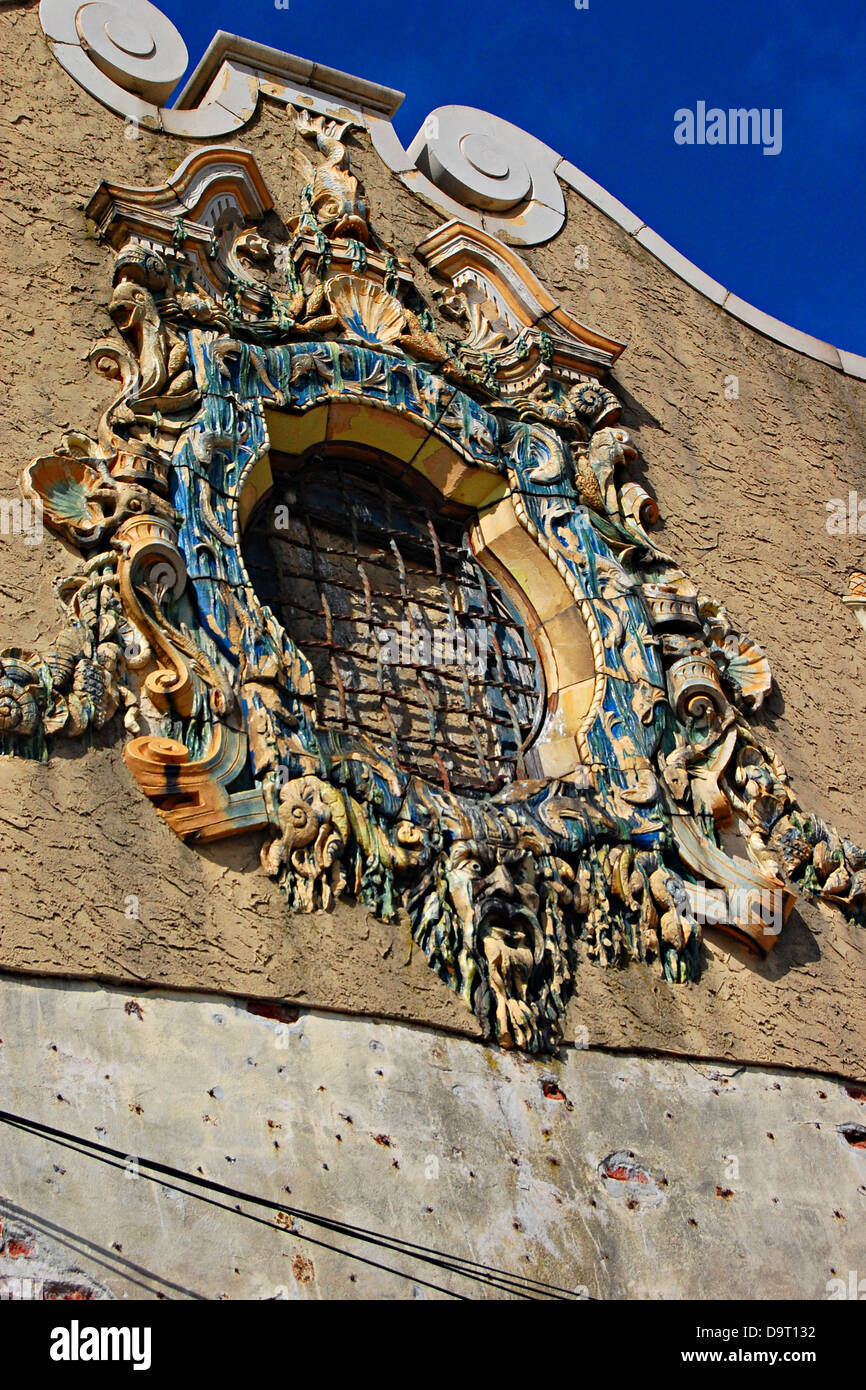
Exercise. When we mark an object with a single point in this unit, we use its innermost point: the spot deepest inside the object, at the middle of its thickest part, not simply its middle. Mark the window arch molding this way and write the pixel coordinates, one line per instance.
(440, 474)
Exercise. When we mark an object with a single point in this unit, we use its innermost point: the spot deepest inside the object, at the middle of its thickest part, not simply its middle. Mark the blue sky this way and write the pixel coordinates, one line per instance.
(601, 86)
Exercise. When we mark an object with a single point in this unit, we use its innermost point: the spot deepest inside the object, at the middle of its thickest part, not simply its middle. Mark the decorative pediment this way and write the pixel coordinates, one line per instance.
(210, 198)
(539, 356)
(506, 301)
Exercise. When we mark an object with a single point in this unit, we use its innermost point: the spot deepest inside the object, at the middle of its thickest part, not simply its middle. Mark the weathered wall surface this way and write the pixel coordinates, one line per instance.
(621, 1176)
(742, 486)
(97, 885)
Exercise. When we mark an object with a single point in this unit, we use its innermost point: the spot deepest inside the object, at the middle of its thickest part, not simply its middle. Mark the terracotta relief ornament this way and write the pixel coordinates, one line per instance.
(616, 793)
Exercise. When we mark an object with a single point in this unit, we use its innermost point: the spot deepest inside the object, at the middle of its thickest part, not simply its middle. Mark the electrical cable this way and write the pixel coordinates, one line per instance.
(473, 1270)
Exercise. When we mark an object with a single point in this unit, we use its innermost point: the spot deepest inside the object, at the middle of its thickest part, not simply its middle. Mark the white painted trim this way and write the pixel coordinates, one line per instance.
(847, 362)
(286, 67)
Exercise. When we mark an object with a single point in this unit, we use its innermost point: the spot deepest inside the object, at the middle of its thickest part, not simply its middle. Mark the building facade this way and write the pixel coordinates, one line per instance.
(431, 694)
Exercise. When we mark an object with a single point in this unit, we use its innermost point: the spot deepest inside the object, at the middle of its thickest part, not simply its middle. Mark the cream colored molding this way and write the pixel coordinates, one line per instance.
(129, 56)
(275, 68)
(472, 166)
(856, 597)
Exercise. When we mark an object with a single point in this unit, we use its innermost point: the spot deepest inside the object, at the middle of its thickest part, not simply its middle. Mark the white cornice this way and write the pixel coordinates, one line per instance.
(273, 62)
(848, 362)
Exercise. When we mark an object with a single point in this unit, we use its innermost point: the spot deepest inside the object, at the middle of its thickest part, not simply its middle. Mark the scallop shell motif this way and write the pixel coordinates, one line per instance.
(65, 487)
(370, 314)
(750, 672)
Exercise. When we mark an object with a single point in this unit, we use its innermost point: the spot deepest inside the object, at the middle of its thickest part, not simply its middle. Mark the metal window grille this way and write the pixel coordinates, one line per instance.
(411, 641)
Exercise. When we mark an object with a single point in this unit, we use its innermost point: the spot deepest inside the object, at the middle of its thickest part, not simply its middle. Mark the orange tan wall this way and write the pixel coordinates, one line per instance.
(742, 486)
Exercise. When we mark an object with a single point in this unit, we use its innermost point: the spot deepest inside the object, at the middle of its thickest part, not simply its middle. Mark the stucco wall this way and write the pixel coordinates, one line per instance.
(618, 1177)
(742, 486)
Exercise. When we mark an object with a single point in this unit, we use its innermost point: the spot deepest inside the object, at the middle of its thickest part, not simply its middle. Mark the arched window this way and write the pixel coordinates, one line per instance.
(411, 640)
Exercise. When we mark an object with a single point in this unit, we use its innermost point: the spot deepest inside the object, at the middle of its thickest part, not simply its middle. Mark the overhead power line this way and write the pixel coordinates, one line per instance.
(505, 1282)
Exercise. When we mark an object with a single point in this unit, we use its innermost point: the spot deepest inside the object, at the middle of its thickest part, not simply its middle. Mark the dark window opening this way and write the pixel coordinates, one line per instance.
(412, 642)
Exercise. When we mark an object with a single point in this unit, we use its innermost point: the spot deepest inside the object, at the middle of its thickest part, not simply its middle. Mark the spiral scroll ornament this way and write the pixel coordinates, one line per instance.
(131, 43)
(129, 56)
(489, 164)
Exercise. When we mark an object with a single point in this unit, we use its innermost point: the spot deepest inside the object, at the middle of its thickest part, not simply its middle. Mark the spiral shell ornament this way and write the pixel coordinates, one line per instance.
(489, 164)
(129, 56)
(19, 712)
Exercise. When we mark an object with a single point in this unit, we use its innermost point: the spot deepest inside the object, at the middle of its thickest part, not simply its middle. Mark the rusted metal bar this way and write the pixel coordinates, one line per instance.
(435, 592)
